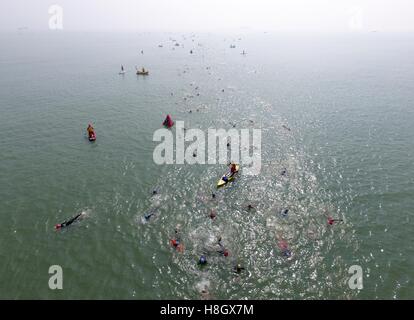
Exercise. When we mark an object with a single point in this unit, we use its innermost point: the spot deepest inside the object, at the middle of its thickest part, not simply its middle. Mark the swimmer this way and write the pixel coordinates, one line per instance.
(238, 268)
(287, 253)
(284, 247)
(212, 214)
(148, 215)
(68, 222)
(283, 172)
(223, 250)
(284, 212)
(203, 260)
(331, 221)
(176, 241)
(249, 207)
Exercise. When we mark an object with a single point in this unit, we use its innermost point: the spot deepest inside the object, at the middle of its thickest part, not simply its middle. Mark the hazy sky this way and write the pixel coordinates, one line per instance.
(212, 15)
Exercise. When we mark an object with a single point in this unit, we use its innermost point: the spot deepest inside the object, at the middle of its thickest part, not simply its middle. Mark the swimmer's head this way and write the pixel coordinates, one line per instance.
(202, 260)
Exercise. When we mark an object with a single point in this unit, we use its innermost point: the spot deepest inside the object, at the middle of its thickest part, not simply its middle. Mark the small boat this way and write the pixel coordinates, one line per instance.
(142, 72)
(122, 70)
(227, 177)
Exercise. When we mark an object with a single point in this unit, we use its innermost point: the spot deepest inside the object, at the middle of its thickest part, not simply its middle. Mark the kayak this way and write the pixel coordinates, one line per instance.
(229, 177)
(143, 73)
(121, 72)
(92, 137)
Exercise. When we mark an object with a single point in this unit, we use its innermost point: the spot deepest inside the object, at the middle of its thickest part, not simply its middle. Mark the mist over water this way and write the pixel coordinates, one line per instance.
(347, 101)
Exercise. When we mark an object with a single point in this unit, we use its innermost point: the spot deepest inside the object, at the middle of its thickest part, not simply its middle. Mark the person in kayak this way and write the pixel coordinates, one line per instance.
(233, 168)
(91, 130)
(68, 222)
(168, 122)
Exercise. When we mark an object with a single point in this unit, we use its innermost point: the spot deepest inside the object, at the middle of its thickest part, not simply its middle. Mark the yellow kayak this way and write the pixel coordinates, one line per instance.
(144, 73)
(229, 177)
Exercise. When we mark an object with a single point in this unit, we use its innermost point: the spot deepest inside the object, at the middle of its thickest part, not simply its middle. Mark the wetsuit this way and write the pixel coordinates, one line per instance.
(69, 222)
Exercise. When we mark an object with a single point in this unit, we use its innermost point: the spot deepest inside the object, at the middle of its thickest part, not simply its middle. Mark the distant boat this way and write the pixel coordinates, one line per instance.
(232, 46)
(243, 53)
(122, 70)
(142, 72)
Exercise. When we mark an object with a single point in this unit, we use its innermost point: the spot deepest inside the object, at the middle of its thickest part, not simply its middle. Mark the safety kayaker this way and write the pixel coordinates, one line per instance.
(91, 130)
(233, 168)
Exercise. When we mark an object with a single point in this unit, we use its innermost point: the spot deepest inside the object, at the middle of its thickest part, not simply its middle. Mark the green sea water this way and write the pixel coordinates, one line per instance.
(348, 100)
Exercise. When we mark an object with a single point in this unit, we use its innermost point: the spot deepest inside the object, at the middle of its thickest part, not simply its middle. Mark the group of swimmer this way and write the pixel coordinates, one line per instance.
(176, 241)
